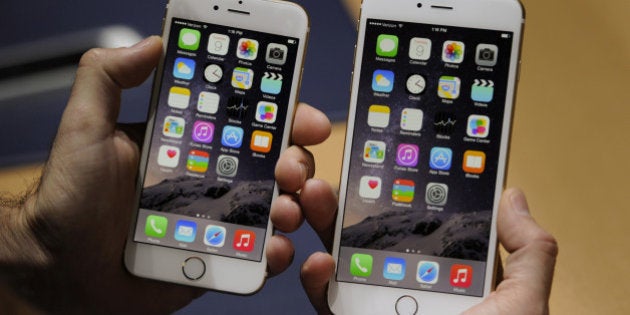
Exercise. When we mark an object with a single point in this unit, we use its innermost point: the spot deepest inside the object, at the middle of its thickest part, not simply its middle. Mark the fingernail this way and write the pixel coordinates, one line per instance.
(143, 42)
(519, 203)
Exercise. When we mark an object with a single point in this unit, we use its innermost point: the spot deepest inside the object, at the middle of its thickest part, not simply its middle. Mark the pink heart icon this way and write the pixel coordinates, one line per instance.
(171, 153)
(372, 183)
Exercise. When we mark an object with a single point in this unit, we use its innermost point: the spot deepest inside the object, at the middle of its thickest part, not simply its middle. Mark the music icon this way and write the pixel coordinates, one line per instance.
(461, 276)
(244, 240)
(203, 131)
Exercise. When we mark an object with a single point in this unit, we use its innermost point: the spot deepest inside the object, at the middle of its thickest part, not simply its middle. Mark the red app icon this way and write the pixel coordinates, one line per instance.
(461, 276)
(244, 240)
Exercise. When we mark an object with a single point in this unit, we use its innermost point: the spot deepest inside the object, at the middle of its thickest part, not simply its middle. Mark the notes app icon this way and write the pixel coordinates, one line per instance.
(378, 116)
(178, 97)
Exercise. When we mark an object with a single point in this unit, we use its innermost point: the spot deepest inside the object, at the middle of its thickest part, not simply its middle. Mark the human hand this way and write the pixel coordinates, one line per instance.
(65, 252)
(527, 276)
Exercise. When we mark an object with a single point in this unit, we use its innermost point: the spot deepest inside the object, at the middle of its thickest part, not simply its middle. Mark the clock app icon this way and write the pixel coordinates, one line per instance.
(213, 73)
(416, 84)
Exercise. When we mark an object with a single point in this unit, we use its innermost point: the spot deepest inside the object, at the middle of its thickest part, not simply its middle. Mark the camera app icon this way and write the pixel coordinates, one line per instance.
(276, 54)
(486, 55)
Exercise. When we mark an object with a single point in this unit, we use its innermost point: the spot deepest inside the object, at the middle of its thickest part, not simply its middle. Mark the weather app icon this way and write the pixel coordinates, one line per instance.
(383, 81)
(184, 68)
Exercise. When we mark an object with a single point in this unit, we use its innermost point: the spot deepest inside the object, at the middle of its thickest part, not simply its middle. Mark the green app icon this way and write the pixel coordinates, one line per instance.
(387, 45)
(156, 226)
(361, 265)
(189, 39)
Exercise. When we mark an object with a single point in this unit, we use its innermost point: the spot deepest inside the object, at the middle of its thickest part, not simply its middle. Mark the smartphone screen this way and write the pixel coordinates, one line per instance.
(223, 106)
(424, 157)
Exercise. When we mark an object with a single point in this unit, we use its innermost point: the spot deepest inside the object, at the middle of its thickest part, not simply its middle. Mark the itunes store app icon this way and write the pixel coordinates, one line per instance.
(203, 131)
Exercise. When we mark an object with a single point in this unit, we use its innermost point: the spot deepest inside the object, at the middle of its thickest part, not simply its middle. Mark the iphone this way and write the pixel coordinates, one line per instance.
(425, 156)
(222, 107)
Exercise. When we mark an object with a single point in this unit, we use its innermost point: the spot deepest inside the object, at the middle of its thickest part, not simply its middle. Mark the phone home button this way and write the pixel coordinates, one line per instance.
(193, 268)
(406, 305)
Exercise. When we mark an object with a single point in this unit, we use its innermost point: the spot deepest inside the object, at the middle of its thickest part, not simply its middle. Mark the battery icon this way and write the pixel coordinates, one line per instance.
(291, 41)
(505, 35)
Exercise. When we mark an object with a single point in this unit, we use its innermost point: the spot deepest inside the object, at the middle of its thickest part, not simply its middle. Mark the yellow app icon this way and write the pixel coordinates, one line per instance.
(378, 116)
(242, 78)
(178, 97)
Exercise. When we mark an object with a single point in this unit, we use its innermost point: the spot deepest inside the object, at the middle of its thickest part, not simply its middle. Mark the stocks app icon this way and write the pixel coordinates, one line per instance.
(444, 123)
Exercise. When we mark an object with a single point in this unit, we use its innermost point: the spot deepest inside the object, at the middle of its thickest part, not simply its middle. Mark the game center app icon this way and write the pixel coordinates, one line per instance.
(184, 68)
(461, 276)
(247, 49)
(370, 187)
(478, 126)
(189, 39)
(214, 236)
(244, 240)
(266, 112)
(453, 51)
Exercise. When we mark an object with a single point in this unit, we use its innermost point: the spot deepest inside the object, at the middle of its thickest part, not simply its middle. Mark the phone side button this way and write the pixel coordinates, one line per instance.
(193, 268)
(406, 305)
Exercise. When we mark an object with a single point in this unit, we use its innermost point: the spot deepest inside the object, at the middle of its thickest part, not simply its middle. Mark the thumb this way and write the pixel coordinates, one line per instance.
(95, 101)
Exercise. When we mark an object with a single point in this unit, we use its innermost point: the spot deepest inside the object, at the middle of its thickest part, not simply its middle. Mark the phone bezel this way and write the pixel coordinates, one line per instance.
(506, 15)
(222, 273)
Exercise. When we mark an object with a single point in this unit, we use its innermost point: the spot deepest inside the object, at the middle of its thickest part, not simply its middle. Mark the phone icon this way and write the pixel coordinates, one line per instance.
(361, 265)
(383, 81)
(461, 276)
(189, 39)
(185, 231)
(387, 45)
(428, 272)
(214, 236)
(247, 49)
(394, 268)
(244, 240)
(184, 68)
(453, 51)
(156, 226)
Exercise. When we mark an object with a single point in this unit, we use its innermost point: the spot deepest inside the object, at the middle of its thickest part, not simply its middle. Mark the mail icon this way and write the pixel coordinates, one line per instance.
(394, 268)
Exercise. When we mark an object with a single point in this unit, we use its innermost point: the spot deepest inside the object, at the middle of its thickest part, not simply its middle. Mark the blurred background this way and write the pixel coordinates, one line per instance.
(570, 139)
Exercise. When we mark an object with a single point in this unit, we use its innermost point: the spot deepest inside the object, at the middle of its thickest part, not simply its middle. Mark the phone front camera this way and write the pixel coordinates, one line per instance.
(419, 5)
(216, 7)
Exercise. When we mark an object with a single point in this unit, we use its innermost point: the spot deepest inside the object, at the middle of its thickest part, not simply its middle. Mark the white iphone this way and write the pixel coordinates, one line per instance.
(425, 157)
(222, 108)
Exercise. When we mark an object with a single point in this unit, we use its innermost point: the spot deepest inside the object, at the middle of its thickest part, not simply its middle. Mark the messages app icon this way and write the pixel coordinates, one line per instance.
(387, 45)
(189, 39)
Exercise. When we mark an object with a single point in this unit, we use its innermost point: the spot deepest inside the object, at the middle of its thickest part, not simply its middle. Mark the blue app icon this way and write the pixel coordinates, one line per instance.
(271, 83)
(428, 272)
(232, 137)
(441, 158)
(184, 68)
(185, 231)
(482, 90)
(214, 236)
(394, 268)
(383, 81)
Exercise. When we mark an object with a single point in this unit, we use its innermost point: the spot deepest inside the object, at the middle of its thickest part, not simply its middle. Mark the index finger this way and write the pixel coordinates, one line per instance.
(310, 126)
